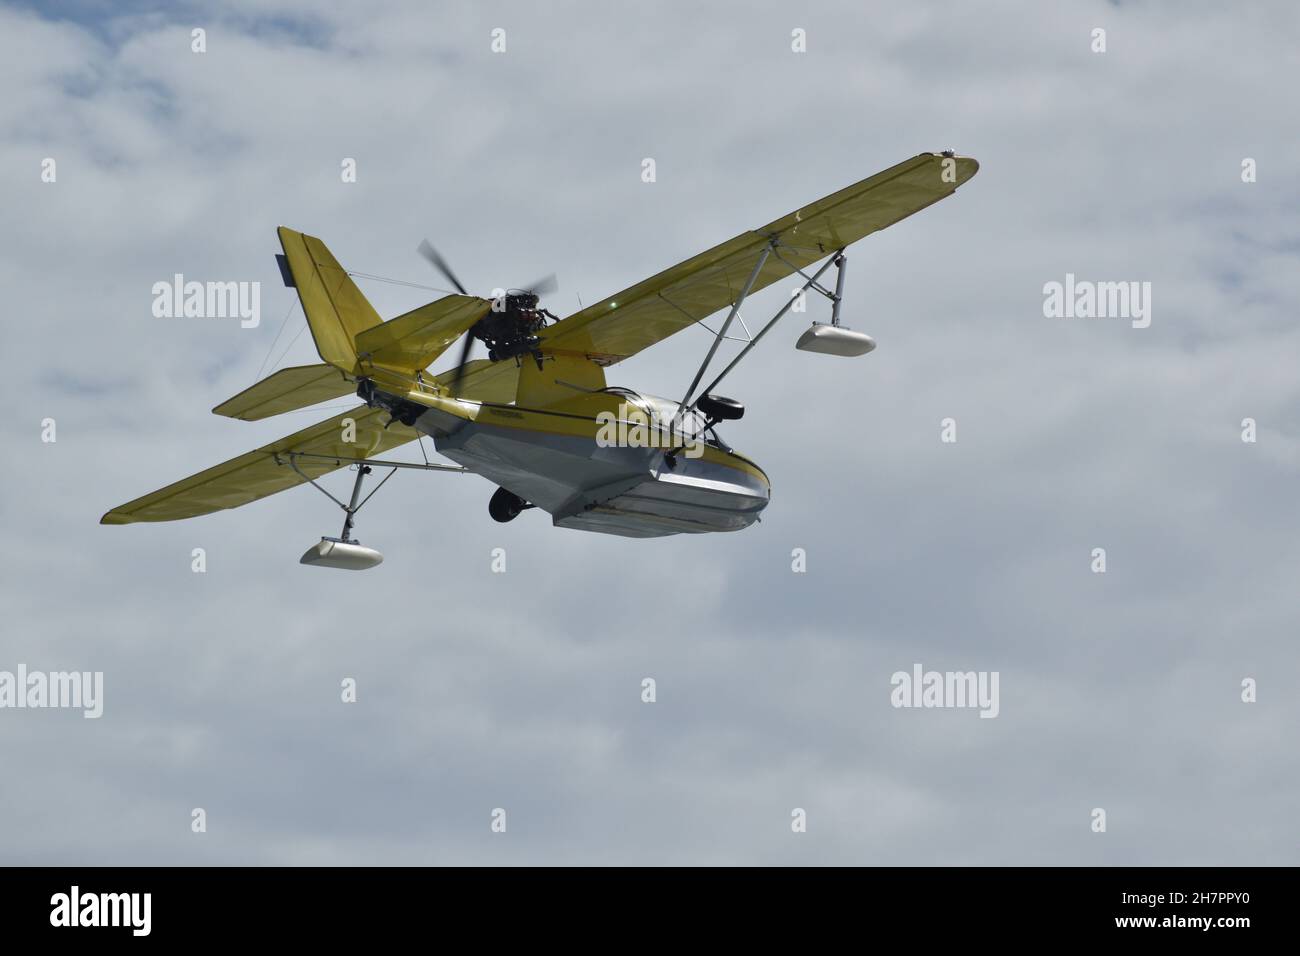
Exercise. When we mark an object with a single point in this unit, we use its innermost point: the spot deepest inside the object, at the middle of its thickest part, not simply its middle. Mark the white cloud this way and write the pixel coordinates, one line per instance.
(522, 690)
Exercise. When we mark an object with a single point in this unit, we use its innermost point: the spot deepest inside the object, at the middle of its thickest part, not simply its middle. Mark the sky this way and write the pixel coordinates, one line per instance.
(1159, 691)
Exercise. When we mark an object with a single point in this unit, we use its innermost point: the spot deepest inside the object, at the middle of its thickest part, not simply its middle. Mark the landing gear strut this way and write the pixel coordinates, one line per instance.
(506, 506)
(345, 551)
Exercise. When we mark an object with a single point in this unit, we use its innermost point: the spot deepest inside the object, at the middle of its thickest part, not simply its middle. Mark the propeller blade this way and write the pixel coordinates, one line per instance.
(543, 286)
(464, 360)
(438, 262)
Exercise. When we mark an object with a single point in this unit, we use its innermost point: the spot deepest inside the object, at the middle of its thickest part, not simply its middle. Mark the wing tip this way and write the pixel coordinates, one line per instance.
(964, 162)
(228, 409)
(116, 517)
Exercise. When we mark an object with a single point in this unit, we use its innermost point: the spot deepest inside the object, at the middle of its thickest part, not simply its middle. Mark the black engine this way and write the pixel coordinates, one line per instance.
(511, 328)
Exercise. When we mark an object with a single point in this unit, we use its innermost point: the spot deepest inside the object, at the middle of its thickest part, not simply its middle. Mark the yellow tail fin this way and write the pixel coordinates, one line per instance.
(336, 310)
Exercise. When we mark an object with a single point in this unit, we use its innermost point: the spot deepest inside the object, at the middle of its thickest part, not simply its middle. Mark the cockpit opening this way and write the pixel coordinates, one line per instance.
(662, 412)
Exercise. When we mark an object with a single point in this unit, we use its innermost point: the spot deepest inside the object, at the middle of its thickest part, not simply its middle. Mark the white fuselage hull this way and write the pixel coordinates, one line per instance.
(629, 491)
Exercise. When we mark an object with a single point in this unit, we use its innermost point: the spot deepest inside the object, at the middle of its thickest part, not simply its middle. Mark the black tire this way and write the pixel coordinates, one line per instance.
(505, 506)
(721, 408)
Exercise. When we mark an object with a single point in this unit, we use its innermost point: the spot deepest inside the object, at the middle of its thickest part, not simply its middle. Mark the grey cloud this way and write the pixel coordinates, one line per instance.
(522, 690)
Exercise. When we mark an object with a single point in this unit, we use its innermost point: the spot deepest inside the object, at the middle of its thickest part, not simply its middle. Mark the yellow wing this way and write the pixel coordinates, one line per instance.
(624, 324)
(257, 474)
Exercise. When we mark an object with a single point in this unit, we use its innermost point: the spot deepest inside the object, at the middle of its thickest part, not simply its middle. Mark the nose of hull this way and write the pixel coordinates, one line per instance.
(695, 497)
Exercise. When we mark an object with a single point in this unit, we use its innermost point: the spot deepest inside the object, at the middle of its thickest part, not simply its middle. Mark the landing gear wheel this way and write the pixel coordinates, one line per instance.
(505, 506)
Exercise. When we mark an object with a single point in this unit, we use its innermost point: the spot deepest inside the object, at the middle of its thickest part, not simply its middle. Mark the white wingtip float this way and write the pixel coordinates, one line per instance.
(536, 417)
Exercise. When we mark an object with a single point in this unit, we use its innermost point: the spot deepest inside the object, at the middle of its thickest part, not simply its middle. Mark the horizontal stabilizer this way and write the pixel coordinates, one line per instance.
(412, 341)
(257, 474)
(287, 390)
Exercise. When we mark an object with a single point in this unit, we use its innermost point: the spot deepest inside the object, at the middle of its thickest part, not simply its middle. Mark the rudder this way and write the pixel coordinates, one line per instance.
(337, 312)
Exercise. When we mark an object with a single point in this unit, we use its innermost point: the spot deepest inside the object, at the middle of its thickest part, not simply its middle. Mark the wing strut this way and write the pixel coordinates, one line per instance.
(836, 259)
(363, 469)
(735, 308)
(340, 462)
(346, 552)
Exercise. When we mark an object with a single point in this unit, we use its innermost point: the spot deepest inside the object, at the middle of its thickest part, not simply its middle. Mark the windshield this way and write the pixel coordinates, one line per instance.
(662, 411)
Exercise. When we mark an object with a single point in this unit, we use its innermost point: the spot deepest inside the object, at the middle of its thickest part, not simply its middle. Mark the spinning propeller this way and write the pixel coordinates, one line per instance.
(543, 286)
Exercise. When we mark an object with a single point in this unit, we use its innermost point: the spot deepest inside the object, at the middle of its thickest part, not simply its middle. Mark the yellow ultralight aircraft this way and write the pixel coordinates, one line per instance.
(536, 417)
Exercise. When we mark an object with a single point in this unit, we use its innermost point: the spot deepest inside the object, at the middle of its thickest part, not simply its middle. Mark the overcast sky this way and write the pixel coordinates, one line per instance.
(523, 690)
